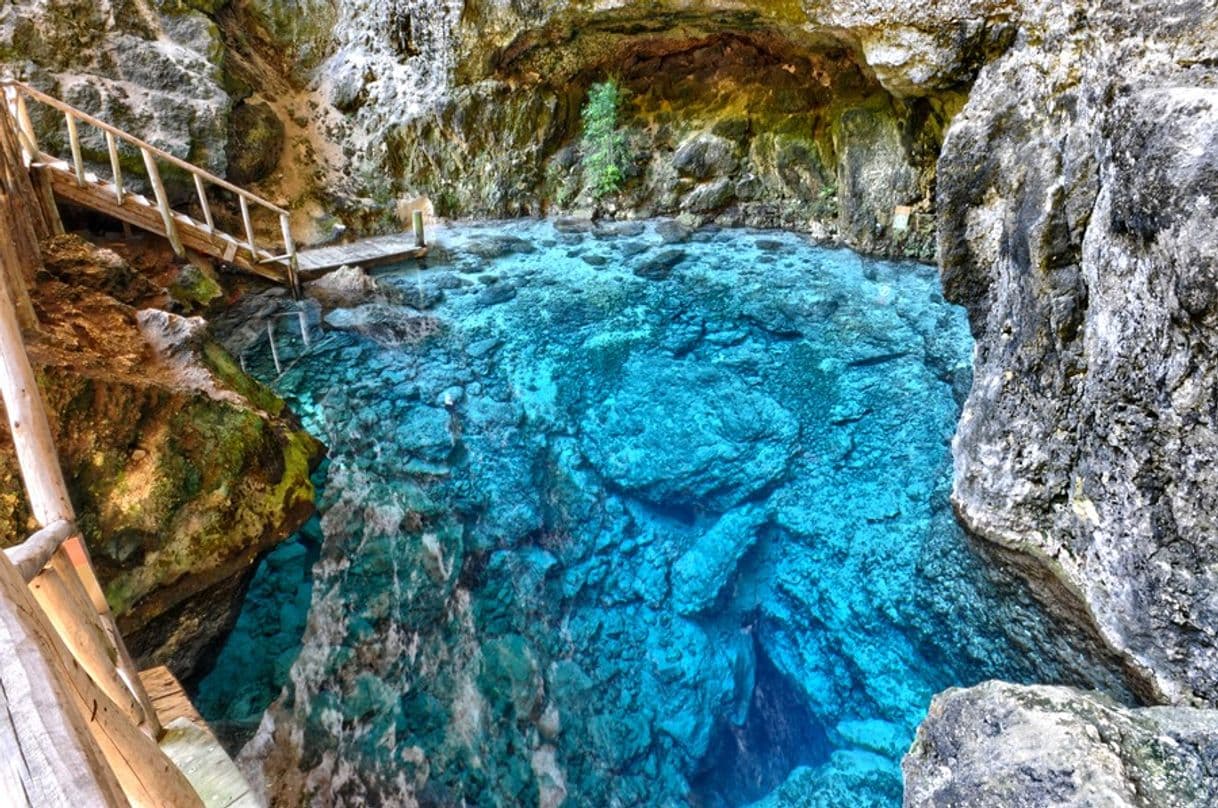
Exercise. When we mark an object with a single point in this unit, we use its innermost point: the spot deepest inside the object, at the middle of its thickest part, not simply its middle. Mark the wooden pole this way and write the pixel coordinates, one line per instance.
(249, 227)
(116, 167)
(419, 238)
(78, 162)
(162, 201)
(289, 243)
(202, 192)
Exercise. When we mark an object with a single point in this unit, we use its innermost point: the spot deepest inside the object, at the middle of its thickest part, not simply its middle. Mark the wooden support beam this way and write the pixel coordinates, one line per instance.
(116, 167)
(162, 201)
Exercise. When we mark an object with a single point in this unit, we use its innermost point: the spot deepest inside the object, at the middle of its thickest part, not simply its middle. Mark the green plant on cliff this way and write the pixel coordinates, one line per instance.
(603, 148)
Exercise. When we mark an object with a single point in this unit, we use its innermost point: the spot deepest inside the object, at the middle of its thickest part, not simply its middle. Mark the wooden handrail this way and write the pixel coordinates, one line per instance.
(32, 555)
(68, 109)
(19, 91)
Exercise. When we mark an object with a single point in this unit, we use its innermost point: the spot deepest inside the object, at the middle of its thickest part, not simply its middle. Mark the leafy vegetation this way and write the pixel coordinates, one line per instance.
(603, 147)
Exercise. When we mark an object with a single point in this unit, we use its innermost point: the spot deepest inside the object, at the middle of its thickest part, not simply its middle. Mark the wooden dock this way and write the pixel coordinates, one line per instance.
(190, 744)
(373, 252)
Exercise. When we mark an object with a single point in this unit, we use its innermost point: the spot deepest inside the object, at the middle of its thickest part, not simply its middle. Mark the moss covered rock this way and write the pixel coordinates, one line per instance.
(183, 470)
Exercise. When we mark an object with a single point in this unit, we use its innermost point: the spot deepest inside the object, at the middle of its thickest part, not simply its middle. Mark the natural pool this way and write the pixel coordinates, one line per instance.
(631, 516)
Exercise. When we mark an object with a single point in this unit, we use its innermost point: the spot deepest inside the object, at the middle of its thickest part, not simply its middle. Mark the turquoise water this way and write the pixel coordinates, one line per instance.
(627, 516)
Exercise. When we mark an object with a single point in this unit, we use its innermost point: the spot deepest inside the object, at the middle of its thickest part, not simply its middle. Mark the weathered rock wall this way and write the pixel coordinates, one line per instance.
(183, 470)
(1076, 194)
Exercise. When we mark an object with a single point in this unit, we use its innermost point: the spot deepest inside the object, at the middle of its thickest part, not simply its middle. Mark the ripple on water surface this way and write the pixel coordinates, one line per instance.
(629, 516)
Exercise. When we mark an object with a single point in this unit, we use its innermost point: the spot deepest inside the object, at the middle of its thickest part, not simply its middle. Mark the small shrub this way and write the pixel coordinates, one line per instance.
(603, 148)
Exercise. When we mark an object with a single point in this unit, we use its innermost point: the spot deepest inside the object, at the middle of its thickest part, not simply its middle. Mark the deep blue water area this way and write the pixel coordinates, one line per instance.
(628, 515)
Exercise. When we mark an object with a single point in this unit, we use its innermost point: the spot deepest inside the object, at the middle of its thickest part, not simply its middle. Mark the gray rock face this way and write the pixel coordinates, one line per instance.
(1077, 224)
(155, 74)
(1002, 744)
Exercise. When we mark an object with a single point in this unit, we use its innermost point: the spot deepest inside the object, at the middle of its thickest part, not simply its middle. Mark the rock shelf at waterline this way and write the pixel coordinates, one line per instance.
(625, 515)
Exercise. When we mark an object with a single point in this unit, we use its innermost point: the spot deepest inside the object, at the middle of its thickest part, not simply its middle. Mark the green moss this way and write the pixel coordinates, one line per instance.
(221, 362)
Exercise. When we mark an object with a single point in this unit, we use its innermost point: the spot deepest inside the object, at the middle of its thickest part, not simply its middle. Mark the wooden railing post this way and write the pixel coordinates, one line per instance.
(25, 127)
(249, 227)
(285, 225)
(78, 162)
(162, 201)
(116, 167)
(202, 192)
(417, 220)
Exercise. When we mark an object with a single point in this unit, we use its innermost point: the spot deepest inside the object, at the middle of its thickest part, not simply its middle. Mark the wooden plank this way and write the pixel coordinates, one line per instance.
(212, 773)
(48, 756)
(168, 696)
(190, 743)
(377, 251)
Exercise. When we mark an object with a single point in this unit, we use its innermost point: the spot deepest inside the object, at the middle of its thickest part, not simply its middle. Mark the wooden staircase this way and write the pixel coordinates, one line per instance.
(69, 180)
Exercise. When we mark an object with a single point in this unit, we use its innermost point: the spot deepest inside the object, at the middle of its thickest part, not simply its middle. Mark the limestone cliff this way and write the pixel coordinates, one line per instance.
(182, 469)
(1076, 216)
(1000, 744)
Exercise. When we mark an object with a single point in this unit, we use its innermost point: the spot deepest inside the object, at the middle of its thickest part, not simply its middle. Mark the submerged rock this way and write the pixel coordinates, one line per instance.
(672, 542)
(389, 325)
(1002, 744)
(680, 434)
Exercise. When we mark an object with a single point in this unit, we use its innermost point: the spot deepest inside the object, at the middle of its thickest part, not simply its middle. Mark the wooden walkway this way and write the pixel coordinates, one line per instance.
(69, 180)
(371, 252)
(191, 745)
(78, 726)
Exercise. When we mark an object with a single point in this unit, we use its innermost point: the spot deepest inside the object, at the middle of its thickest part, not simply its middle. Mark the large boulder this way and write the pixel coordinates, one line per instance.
(1002, 744)
(709, 439)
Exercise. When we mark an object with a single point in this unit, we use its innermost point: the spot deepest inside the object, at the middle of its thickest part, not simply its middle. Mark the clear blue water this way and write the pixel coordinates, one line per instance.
(627, 517)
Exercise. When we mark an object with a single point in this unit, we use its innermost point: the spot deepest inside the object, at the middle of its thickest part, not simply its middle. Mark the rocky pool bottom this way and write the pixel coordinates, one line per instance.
(623, 515)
